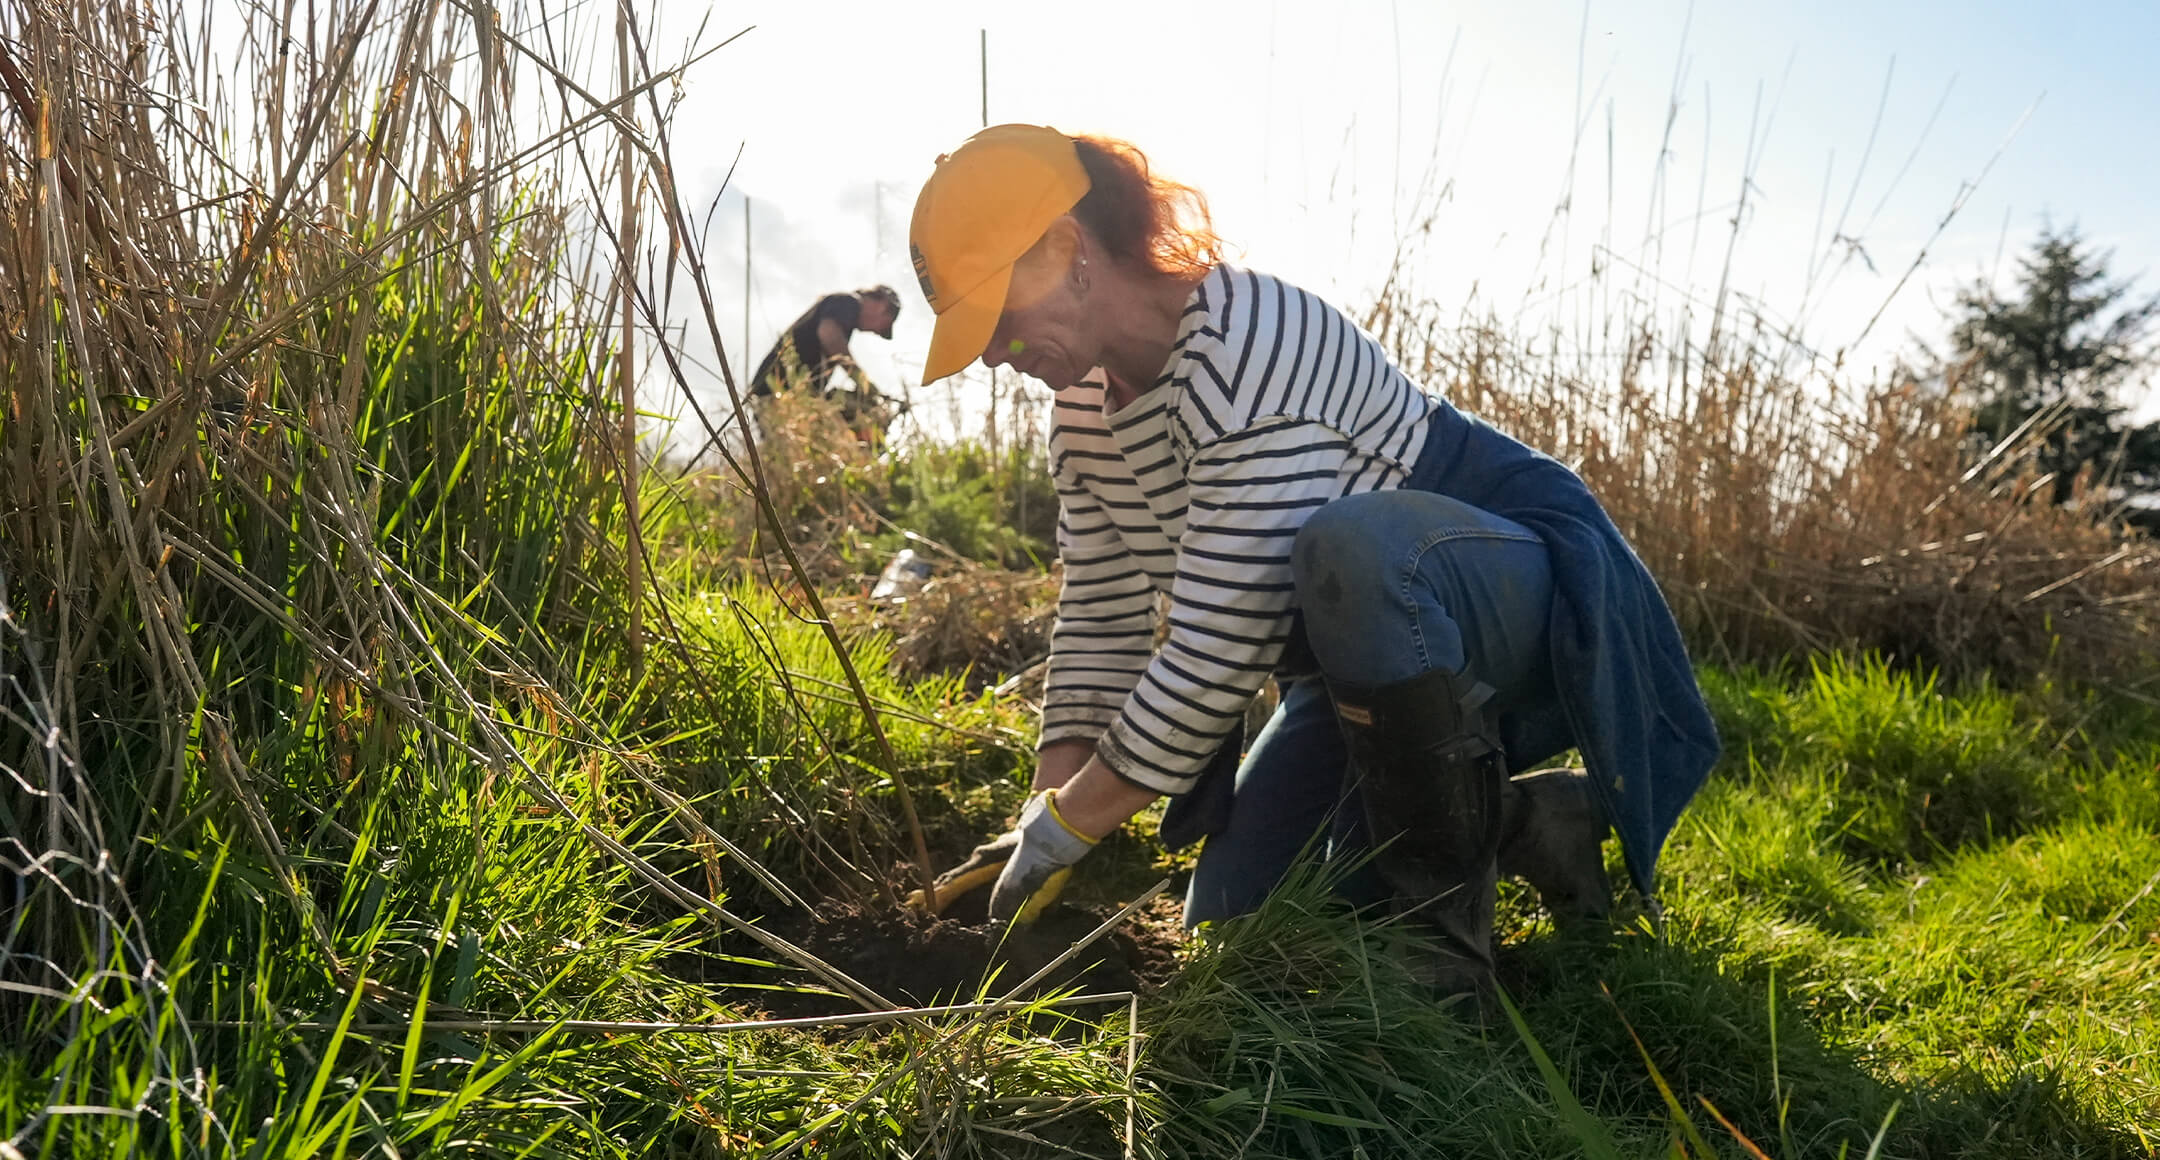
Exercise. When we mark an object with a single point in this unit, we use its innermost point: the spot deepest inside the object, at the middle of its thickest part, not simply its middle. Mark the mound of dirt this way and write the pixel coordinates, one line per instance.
(909, 958)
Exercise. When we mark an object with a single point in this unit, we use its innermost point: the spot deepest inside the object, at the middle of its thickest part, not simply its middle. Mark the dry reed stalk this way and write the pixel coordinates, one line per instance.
(750, 470)
(192, 439)
(739, 1027)
(1790, 512)
(626, 244)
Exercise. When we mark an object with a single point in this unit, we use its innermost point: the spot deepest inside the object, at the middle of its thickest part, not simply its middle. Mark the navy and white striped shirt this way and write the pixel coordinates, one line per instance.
(1272, 404)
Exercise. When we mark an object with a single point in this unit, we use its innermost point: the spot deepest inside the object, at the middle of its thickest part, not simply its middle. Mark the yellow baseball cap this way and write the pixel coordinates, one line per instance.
(985, 204)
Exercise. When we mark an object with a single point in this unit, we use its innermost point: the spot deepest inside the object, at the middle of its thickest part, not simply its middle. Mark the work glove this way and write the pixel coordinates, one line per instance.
(1044, 860)
(1044, 848)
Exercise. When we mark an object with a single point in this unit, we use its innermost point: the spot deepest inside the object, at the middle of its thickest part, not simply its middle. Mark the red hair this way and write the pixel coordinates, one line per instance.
(1142, 218)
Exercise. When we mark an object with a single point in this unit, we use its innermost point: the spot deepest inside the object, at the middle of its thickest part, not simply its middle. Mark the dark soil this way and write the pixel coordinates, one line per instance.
(960, 957)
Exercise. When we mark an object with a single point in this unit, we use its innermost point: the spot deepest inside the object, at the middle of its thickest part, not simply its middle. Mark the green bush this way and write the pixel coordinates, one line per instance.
(1000, 510)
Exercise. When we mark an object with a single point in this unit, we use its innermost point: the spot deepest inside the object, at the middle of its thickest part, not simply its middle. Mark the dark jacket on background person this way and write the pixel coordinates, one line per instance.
(778, 371)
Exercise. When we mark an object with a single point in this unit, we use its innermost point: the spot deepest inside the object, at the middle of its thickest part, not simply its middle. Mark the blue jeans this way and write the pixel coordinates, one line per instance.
(1391, 584)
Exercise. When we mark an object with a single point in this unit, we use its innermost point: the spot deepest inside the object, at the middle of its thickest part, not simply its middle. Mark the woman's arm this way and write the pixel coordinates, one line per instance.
(1105, 626)
(1097, 801)
(1057, 761)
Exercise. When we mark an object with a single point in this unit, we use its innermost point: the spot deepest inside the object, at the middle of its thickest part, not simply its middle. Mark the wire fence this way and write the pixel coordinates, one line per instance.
(65, 892)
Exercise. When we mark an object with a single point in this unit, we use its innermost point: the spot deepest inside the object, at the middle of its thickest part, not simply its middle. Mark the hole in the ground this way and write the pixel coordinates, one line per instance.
(920, 961)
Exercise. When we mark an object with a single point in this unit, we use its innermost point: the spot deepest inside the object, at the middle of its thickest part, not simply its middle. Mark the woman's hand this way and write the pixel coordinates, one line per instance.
(1057, 762)
(1030, 863)
(1057, 829)
(1039, 856)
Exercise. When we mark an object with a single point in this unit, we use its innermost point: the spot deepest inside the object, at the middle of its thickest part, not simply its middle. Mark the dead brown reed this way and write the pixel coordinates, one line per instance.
(983, 623)
(1787, 508)
(824, 485)
(308, 425)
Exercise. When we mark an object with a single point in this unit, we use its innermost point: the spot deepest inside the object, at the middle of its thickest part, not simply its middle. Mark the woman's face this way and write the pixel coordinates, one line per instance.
(1043, 332)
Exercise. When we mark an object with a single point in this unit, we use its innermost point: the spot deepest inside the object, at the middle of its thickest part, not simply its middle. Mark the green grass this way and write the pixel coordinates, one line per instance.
(446, 888)
(323, 728)
(1899, 919)
(1902, 920)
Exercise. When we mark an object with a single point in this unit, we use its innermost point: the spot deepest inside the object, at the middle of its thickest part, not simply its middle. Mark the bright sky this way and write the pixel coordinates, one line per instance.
(1313, 127)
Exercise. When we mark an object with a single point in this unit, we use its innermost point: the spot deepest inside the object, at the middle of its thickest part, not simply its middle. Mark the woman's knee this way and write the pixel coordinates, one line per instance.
(1356, 549)
(1335, 548)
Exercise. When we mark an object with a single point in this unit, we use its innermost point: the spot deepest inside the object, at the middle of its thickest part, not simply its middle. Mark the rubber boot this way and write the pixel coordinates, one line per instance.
(1552, 836)
(1428, 763)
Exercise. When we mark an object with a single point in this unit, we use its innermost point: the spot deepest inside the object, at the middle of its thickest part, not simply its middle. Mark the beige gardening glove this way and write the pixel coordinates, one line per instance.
(988, 862)
(1043, 848)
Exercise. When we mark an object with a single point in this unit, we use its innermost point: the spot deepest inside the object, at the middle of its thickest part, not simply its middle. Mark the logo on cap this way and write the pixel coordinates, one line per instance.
(922, 273)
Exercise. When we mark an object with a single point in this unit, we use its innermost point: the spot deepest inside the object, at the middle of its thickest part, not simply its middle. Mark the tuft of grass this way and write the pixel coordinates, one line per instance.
(1972, 964)
(1298, 1031)
(1895, 766)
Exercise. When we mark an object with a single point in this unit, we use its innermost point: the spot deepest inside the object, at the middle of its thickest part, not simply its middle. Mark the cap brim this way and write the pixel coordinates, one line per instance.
(964, 328)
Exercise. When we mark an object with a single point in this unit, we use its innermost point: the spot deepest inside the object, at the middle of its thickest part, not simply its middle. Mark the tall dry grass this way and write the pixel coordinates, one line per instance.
(314, 530)
(1788, 507)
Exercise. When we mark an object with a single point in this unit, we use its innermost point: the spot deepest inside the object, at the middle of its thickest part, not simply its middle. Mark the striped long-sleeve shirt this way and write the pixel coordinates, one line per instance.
(1272, 404)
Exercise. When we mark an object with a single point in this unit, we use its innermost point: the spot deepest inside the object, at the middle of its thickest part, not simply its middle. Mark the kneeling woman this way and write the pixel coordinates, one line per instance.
(1442, 605)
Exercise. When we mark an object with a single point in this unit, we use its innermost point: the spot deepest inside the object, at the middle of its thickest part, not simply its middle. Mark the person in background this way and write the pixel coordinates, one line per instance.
(1443, 607)
(816, 344)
